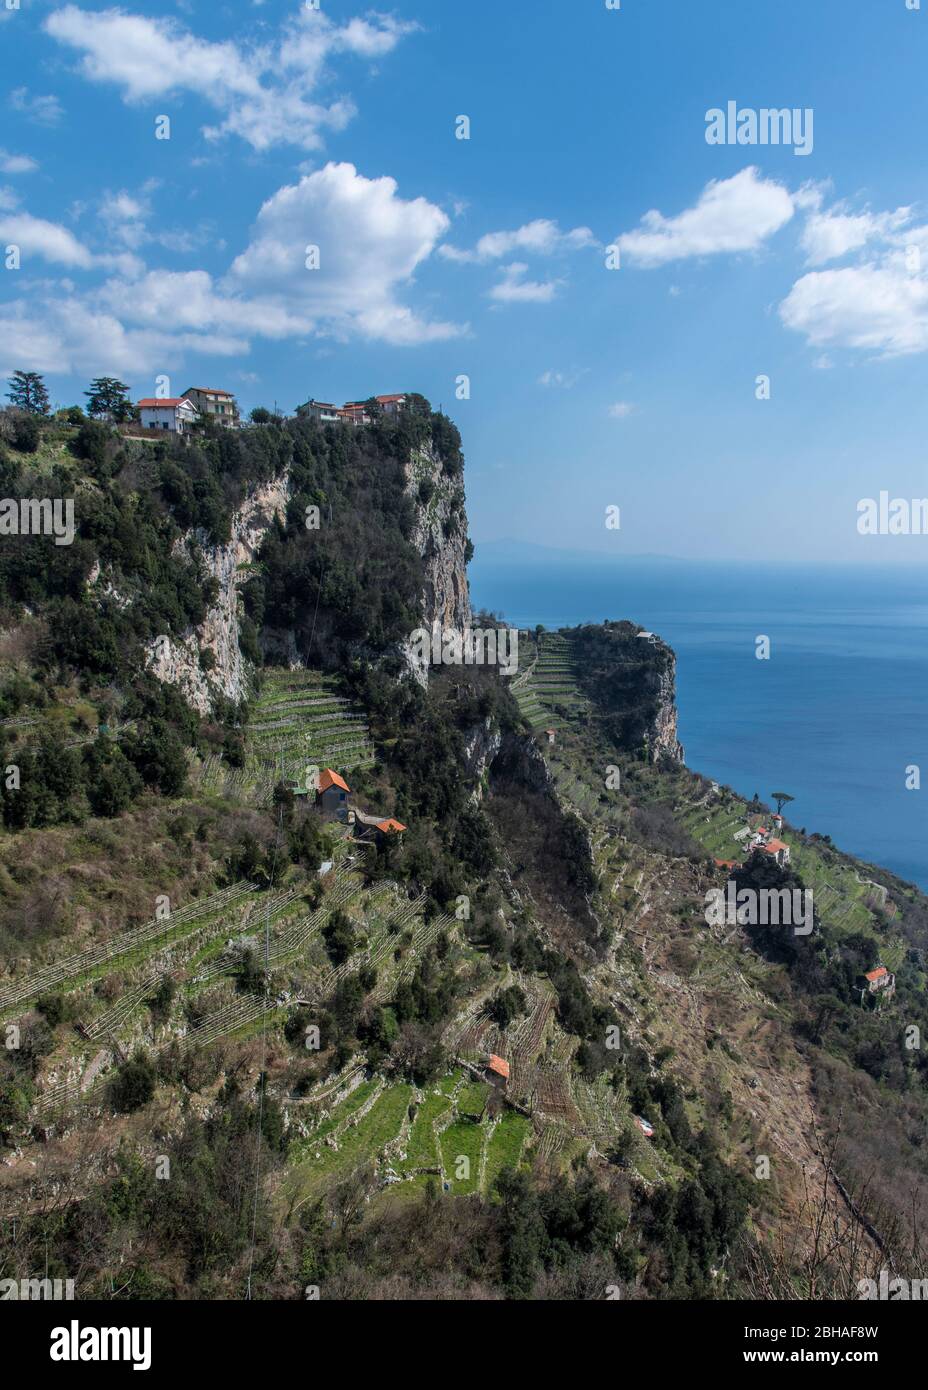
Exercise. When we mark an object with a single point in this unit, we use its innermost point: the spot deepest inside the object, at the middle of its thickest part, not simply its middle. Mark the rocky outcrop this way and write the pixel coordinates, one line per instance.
(440, 537)
(481, 745)
(178, 661)
(521, 762)
(662, 735)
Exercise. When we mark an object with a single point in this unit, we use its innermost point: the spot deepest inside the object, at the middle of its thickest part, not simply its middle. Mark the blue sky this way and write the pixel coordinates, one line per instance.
(442, 257)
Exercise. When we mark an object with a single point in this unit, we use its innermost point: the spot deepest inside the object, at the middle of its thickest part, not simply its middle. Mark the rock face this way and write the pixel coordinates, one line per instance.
(177, 661)
(440, 536)
(520, 761)
(662, 736)
(481, 745)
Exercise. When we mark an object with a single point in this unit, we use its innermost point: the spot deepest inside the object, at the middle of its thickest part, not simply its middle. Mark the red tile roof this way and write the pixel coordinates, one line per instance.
(876, 974)
(496, 1064)
(390, 827)
(154, 402)
(330, 778)
(210, 391)
(772, 846)
(384, 400)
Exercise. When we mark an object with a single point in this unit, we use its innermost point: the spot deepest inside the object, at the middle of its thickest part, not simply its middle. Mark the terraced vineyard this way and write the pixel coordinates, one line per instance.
(550, 691)
(299, 719)
(410, 1136)
(840, 894)
(73, 970)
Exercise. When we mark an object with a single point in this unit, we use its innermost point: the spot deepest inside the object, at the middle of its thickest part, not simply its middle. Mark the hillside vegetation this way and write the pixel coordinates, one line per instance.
(246, 1042)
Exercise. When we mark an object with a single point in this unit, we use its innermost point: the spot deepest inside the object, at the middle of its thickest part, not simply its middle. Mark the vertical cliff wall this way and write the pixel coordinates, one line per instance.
(177, 660)
(440, 537)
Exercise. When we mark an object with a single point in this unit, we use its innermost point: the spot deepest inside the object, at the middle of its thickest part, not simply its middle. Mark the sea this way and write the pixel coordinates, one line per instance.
(838, 714)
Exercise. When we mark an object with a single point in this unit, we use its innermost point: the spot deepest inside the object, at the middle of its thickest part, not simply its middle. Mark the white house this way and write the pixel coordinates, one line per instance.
(174, 413)
(392, 405)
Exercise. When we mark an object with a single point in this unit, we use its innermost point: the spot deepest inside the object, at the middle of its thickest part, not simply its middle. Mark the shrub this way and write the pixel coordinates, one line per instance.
(134, 1085)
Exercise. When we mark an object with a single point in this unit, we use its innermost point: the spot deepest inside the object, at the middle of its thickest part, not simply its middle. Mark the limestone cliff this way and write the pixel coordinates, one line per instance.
(662, 737)
(630, 676)
(440, 537)
(178, 660)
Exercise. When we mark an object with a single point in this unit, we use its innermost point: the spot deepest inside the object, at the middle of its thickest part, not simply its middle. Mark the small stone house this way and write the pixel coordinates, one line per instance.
(497, 1071)
(374, 828)
(332, 794)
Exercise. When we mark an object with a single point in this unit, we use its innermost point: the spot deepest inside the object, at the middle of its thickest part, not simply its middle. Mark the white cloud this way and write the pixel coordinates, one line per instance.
(541, 237)
(827, 236)
(883, 308)
(58, 332)
(730, 215)
(45, 110)
(36, 237)
(124, 217)
(371, 242)
(191, 300)
(261, 91)
(566, 381)
(512, 288)
(880, 302)
(16, 163)
(621, 410)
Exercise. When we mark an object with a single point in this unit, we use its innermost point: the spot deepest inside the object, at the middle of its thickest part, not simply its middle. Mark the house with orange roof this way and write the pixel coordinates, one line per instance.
(880, 980)
(173, 413)
(497, 1071)
(352, 412)
(778, 850)
(373, 828)
(391, 405)
(332, 793)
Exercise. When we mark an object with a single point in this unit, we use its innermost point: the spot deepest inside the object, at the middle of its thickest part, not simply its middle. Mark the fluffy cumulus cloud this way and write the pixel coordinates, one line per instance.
(38, 239)
(370, 241)
(730, 215)
(879, 307)
(878, 302)
(261, 92)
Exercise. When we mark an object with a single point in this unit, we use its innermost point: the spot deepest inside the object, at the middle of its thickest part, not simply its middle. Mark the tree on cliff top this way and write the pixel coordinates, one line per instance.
(109, 399)
(27, 392)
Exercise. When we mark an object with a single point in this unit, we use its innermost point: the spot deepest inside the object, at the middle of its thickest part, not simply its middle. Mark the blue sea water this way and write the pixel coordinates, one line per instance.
(834, 717)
